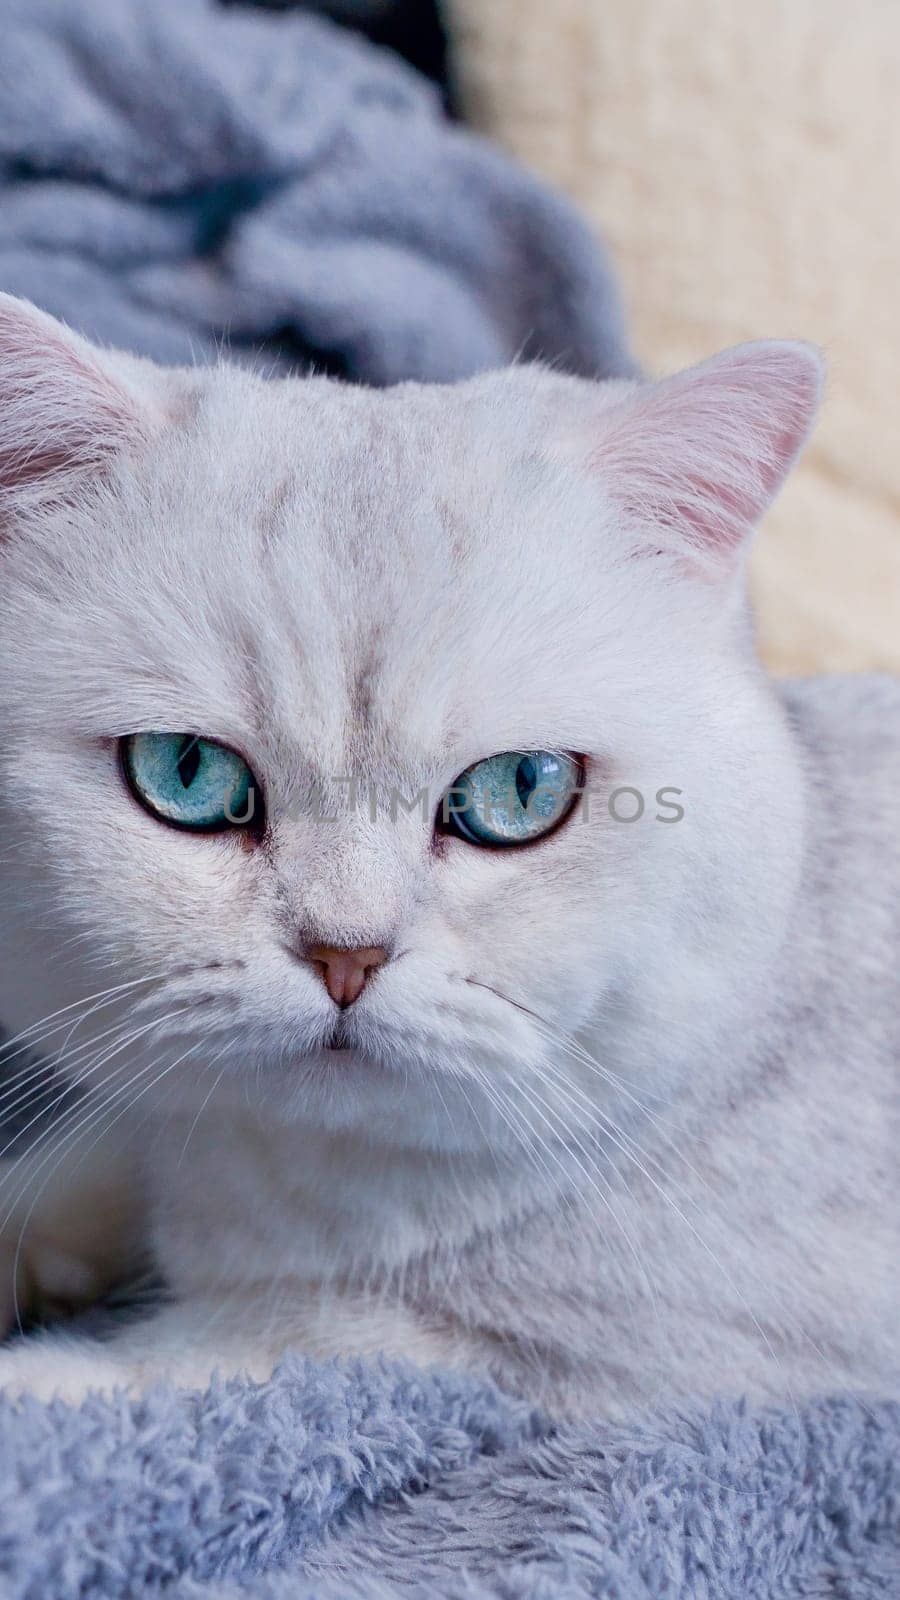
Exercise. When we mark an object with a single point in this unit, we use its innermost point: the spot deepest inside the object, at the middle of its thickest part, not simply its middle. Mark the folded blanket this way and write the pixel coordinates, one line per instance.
(174, 174)
(379, 1482)
(414, 28)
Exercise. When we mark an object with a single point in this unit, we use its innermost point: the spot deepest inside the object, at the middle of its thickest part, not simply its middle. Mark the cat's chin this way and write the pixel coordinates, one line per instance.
(336, 1055)
(385, 1094)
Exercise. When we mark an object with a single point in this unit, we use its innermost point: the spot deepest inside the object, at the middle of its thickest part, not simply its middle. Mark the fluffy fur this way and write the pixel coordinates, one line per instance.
(619, 1116)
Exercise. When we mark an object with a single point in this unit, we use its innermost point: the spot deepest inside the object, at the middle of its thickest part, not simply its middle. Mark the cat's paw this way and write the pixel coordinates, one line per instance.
(68, 1241)
(41, 1280)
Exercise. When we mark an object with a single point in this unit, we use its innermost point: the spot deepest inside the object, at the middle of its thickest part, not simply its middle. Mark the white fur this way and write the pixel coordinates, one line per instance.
(557, 1145)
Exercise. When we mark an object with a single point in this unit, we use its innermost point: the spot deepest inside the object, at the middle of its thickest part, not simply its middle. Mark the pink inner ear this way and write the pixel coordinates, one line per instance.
(62, 414)
(703, 454)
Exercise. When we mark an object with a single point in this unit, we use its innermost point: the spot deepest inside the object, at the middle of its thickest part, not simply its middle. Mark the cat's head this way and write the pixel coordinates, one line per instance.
(300, 583)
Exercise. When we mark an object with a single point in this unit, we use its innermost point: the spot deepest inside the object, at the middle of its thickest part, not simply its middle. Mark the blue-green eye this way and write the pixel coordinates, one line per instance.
(512, 798)
(189, 781)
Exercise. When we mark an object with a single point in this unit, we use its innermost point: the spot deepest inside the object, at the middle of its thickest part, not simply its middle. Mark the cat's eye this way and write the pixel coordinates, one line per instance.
(190, 782)
(512, 798)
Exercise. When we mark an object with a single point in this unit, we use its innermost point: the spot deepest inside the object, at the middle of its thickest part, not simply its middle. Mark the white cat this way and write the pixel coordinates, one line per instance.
(467, 951)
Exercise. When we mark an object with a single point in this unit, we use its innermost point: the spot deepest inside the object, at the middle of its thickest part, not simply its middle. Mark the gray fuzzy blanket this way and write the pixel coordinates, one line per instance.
(382, 1483)
(175, 174)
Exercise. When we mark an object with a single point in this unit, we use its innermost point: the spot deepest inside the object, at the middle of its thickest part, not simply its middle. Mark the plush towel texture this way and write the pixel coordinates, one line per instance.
(380, 1482)
(178, 173)
(744, 163)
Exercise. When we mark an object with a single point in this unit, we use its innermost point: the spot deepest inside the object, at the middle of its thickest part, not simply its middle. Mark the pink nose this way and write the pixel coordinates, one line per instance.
(344, 972)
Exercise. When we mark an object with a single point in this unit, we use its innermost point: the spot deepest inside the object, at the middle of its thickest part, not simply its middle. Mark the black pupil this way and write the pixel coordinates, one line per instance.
(189, 761)
(526, 781)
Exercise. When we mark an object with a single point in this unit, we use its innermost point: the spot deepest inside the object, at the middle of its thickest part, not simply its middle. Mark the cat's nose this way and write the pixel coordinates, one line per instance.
(345, 972)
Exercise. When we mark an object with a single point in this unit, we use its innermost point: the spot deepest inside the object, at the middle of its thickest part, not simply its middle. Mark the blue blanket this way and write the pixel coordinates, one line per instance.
(175, 175)
(380, 1482)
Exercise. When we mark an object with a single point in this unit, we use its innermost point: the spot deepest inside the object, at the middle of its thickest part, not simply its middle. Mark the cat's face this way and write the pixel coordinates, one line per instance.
(392, 588)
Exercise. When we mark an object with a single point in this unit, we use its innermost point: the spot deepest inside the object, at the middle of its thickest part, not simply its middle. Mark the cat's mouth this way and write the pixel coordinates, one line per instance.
(336, 1039)
(341, 1043)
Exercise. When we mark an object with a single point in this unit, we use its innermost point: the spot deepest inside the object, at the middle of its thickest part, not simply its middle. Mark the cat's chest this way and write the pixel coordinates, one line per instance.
(255, 1204)
(737, 1251)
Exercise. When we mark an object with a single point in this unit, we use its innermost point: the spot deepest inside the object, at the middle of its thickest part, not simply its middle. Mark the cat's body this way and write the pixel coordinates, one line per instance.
(615, 1117)
(763, 1235)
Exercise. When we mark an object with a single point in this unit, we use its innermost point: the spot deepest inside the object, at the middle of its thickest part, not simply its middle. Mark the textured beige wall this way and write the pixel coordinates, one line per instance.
(743, 161)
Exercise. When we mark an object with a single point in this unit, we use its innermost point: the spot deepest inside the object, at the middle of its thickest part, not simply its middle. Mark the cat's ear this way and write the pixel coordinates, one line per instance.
(65, 409)
(701, 455)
